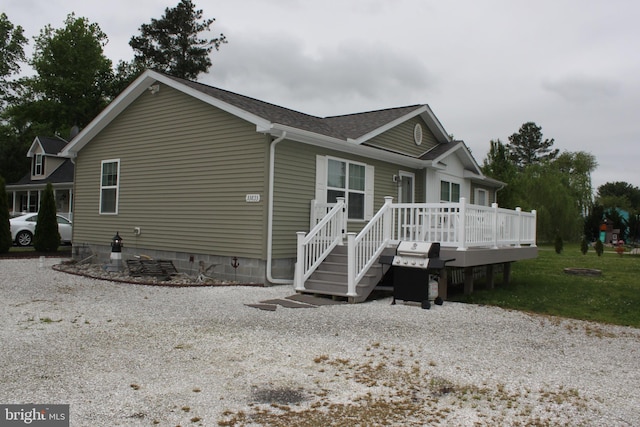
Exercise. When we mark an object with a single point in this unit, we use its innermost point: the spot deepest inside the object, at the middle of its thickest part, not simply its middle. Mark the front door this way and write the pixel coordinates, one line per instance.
(406, 188)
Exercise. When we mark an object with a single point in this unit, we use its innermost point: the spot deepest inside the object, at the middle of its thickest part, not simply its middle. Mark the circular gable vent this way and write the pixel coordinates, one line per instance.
(417, 134)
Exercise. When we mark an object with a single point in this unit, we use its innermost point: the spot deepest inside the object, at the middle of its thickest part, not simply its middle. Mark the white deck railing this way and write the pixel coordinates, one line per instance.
(458, 225)
(314, 247)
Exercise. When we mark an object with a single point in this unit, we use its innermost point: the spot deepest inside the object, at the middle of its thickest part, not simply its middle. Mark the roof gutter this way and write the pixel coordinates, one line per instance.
(272, 163)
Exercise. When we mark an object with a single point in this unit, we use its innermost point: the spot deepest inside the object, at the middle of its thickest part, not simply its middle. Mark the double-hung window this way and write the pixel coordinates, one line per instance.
(38, 165)
(344, 178)
(449, 191)
(109, 182)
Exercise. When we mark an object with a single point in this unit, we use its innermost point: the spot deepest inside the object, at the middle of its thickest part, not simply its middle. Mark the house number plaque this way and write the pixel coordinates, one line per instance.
(252, 198)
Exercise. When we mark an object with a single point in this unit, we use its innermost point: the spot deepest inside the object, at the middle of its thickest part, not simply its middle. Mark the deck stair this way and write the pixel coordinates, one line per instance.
(331, 277)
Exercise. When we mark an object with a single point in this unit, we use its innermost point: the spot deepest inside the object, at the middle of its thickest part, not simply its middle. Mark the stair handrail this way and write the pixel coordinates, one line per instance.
(366, 247)
(315, 246)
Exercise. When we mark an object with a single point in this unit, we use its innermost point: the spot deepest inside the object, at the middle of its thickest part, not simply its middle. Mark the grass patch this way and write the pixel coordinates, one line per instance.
(541, 286)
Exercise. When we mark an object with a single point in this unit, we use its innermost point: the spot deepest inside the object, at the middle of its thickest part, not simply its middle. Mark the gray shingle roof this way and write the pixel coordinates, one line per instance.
(343, 127)
(64, 173)
(52, 146)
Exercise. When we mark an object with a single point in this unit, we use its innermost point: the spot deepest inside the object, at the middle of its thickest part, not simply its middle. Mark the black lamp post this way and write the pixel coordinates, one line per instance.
(116, 254)
(116, 243)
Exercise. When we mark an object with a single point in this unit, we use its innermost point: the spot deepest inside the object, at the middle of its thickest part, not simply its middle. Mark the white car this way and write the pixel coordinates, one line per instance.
(23, 228)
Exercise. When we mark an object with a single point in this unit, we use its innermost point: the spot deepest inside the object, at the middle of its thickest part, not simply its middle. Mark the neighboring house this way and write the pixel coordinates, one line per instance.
(193, 173)
(47, 166)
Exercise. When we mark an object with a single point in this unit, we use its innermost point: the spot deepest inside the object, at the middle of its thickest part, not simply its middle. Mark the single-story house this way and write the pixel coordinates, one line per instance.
(193, 173)
(47, 166)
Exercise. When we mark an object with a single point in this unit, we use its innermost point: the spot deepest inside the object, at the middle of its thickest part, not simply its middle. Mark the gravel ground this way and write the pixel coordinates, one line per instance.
(125, 354)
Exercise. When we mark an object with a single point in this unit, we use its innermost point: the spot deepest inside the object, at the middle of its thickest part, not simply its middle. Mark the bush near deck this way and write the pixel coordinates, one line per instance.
(541, 286)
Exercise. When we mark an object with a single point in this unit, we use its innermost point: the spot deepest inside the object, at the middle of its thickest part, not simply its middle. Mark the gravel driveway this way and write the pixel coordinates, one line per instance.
(122, 354)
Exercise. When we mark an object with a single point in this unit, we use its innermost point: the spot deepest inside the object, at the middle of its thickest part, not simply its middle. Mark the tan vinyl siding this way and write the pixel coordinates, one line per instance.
(295, 188)
(185, 170)
(400, 139)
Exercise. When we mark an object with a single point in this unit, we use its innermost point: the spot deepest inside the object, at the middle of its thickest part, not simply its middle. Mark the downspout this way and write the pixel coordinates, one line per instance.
(272, 163)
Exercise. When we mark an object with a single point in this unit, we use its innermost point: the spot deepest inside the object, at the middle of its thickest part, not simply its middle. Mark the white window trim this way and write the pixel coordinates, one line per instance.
(38, 169)
(116, 187)
(322, 173)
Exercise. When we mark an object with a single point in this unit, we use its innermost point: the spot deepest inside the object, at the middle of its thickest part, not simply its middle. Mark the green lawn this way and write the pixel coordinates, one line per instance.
(541, 286)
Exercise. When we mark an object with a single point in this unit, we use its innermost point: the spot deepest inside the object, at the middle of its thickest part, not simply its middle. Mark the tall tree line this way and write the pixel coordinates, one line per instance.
(74, 80)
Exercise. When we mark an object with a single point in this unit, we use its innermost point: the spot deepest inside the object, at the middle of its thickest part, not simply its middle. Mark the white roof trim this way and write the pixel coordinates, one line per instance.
(470, 160)
(31, 152)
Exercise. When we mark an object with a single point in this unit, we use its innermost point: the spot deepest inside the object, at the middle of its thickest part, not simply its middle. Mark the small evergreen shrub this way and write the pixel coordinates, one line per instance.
(584, 246)
(5, 227)
(47, 237)
(599, 248)
(558, 244)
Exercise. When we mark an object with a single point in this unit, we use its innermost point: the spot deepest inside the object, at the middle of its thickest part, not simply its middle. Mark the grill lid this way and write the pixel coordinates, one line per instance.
(418, 249)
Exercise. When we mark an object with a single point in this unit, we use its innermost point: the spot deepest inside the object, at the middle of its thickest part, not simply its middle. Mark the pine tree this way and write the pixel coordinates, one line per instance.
(527, 146)
(47, 237)
(5, 227)
(172, 44)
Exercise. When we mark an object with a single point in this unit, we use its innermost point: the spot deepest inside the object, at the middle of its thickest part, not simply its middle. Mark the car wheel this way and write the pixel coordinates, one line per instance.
(24, 238)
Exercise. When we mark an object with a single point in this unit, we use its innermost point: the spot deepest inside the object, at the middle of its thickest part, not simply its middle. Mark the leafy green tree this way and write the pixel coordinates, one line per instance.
(47, 237)
(72, 82)
(5, 228)
(576, 167)
(12, 43)
(557, 211)
(527, 147)
(171, 44)
(619, 195)
(14, 163)
(498, 165)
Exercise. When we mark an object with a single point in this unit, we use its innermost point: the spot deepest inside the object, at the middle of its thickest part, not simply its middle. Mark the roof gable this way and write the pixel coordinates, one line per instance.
(48, 146)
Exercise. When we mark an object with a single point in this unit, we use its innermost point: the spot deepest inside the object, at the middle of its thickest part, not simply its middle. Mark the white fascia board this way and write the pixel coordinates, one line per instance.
(341, 145)
(466, 158)
(32, 149)
(435, 126)
(132, 92)
(490, 182)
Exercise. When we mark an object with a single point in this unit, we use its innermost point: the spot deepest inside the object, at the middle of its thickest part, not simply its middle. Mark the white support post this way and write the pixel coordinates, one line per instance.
(342, 219)
(494, 206)
(535, 228)
(299, 269)
(351, 265)
(519, 227)
(387, 220)
(462, 225)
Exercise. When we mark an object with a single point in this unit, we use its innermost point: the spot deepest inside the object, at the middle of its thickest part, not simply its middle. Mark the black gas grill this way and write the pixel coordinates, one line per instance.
(416, 267)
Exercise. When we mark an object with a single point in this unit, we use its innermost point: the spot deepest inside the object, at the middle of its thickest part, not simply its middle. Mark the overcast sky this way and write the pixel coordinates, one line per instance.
(484, 67)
